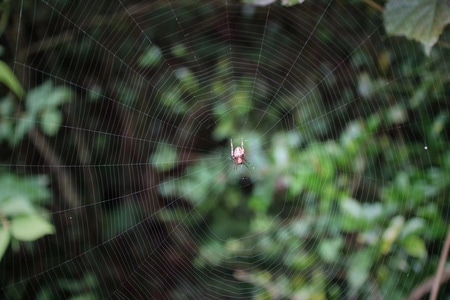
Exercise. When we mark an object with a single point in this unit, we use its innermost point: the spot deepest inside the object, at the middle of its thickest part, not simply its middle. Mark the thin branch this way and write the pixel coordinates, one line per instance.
(419, 292)
(374, 5)
(66, 186)
(440, 271)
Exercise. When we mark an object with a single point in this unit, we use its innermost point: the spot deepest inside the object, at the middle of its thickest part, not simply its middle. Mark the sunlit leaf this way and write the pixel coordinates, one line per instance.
(179, 50)
(329, 249)
(173, 100)
(31, 188)
(51, 121)
(211, 254)
(30, 227)
(164, 158)
(421, 20)
(47, 96)
(151, 57)
(4, 241)
(392, 233)
(365, 85)
(359, 268)
(415, 246)
(397, 115)
(8, 78)
(224, 128)
(351, 207)
(59, 95)
(259, 2)
(36, 97)
(291, 2)
(188, 79)
(17, 205)
(413, 226)
(262, 197)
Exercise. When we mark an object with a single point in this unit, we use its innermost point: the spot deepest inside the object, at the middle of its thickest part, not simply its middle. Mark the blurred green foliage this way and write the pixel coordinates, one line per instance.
(421, 20)
(9, 80)
(368, 205)
(345, 195)
(21, 213)
(42, 107)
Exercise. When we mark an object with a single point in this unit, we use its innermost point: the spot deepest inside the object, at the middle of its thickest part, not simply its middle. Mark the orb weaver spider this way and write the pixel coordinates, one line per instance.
(238, 154)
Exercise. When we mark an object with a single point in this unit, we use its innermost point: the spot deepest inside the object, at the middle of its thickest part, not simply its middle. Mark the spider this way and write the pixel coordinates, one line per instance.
(238, 154)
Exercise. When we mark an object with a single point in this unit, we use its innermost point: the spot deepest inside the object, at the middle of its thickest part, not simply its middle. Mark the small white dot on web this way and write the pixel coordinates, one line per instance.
(426, 147)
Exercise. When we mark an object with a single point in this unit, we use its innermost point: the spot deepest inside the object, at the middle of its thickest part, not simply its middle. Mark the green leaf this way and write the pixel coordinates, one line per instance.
(351, 207)
(415, 246)
(392, 233)
(210, 254)
(24, 125)
(8, 78)
(179, 50)
(396, 114)
(413, 226)
(262, 196)
(164, 158)
(359, 268)
(47, 96)
(30, 227)
(16, 205)
(51, 120)
(152, 57)
(59, 95)
(291, 2)
(7, 106)
(258, 2)
(37, 96)
(329, 249)
(224, 128)
(188, 79)
(357, 216)
(32, 189)
(173, 100)
(420, 20)
(4, 241)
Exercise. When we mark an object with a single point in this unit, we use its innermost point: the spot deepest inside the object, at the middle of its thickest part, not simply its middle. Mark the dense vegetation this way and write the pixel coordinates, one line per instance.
(116, 177)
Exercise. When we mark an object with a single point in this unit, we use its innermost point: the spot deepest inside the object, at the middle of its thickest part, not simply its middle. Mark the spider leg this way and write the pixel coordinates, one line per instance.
(246, 164)
(242, 143)
(231, 143)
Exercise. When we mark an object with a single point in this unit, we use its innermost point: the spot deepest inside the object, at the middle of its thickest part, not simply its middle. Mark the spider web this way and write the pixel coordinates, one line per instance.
(147, 201)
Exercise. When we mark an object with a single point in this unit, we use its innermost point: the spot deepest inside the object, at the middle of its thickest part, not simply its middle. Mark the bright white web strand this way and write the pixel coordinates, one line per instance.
(17, 63)
(280, 85)
(117, 291)
(344, 104)
(152, 116)
(103, 243)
